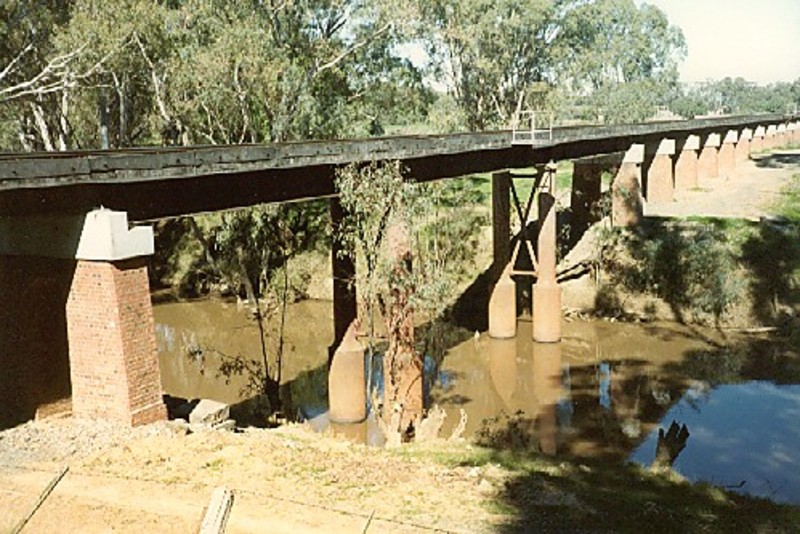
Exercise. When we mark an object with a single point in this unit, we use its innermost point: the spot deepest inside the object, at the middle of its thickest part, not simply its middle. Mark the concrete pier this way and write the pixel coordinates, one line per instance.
(726, 158)
(770, 137)
(780, 136)
(743, 146)
(347, 392)
(546, 291)
(626, 192)
(708, 162)
(503, 298)
(757, 143)
(660, 184)
(686, 164)
(792, 134)
(503, 307)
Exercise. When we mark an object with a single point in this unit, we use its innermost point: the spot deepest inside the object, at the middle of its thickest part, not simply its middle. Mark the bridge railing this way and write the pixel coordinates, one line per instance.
(531, 127)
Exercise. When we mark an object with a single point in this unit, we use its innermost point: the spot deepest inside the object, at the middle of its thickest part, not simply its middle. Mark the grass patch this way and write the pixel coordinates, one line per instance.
(789, 205)
(563, 494)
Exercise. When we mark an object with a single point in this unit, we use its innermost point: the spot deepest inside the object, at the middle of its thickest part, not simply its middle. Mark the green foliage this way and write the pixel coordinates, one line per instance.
(692, 268)
(443, 233)
(203, 71)
(737, 96)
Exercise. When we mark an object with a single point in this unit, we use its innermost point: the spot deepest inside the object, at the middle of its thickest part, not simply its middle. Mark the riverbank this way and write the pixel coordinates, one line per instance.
(291, 480)
(723, 254)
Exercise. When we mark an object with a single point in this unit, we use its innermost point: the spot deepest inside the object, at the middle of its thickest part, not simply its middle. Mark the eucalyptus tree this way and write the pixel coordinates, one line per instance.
(498, 56)
(492, 55)
(411, 243)
(623, 57)
(32, 71)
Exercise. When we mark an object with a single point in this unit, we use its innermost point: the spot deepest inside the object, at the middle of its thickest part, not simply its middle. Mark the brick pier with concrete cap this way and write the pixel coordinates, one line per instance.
(743, 145)
(726, 158)
(708, 161)
(627, 204)
(660, 175)
(757, 142)
(686, 163)
(109, 318)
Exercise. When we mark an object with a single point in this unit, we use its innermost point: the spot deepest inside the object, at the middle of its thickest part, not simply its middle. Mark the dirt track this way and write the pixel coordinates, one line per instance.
(747, 193)
(285, 480)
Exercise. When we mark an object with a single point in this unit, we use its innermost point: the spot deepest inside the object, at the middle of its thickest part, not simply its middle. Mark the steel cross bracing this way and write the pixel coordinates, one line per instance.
(544, 182)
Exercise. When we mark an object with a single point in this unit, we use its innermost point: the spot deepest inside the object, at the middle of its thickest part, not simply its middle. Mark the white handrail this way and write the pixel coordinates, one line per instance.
(525, 131)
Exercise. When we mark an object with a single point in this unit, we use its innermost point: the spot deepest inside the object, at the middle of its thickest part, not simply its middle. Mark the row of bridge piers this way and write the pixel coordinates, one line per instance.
(646, 173)
(77, 313)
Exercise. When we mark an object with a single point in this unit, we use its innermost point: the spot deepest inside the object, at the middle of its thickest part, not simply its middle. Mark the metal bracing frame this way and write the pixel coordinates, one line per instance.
(544, 181)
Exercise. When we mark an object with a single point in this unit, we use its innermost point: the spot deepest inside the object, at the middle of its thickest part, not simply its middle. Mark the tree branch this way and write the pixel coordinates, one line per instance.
(357, 46)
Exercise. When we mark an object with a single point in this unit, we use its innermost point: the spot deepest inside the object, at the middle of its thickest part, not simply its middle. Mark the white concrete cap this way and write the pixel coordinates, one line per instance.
(100, 235)
(760, 131)
(666, 147)
(781, 128)
(731, 136)
(792, 126)
(692, 143)
(746, 134)
(772, 129)
(635, 154)
(713, 140)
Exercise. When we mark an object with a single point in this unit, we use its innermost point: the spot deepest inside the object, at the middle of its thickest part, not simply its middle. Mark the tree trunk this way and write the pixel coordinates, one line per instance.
(402, 366)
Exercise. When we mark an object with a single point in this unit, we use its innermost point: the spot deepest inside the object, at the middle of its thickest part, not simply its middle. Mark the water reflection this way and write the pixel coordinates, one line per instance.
(605, 391)
(743, 437)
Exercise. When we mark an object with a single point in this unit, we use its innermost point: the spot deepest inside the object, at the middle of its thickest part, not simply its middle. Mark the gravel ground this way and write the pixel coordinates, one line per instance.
(59, 440)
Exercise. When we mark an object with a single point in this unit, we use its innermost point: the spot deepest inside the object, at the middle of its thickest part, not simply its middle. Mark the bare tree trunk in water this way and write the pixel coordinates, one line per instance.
(402, 365)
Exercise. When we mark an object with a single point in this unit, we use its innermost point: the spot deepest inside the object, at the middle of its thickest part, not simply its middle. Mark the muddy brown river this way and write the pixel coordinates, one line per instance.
(603, 392)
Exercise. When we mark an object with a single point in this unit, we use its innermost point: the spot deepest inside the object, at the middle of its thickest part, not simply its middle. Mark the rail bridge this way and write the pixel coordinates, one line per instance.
(77, 317)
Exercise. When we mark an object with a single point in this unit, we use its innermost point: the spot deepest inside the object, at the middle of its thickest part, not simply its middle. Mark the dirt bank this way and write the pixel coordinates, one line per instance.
(726, 228)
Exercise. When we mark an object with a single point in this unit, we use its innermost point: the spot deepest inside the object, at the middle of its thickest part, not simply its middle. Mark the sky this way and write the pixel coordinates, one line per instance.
(758, 40)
